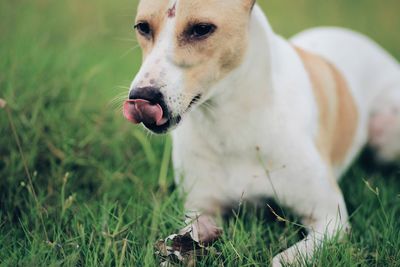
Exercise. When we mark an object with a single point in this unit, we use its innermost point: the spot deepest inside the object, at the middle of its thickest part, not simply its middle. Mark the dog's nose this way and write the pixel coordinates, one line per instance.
(151, 94)
(144, 106)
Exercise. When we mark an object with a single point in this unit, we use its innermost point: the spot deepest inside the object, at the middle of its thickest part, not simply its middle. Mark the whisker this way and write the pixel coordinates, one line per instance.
(118, 97)
(189, 94)
(210, 111)
(123, 90)
(126, 40)
(132, 49)
(209, 104)
(115, 102)
(123, 87)
(117, 107)
(149, 134)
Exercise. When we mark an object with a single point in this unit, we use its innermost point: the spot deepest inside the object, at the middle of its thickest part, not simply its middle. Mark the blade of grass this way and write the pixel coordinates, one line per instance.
(162, 178)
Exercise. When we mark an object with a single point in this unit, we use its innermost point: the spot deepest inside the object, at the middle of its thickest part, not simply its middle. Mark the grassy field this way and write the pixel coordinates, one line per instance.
(102, 190)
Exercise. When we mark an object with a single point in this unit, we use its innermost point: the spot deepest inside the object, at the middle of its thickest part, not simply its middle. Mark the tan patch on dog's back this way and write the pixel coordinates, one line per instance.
(337, 110)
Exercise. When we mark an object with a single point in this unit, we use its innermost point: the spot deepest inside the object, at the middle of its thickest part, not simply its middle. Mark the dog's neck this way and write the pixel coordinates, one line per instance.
(251, 82)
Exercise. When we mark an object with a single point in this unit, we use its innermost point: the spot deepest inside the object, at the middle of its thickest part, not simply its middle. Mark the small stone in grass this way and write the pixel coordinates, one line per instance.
(3, 103)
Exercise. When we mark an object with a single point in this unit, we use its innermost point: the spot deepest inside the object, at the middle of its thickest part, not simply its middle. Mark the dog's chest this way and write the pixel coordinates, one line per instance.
(237, 135)
(225, 160)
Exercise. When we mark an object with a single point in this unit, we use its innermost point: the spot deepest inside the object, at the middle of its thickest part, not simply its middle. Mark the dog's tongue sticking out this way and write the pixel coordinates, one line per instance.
(142, 111)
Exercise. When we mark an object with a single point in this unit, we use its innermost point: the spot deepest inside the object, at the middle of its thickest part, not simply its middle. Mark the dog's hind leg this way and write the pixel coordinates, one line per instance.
(384, 125)
(317, 199)
(323, 224)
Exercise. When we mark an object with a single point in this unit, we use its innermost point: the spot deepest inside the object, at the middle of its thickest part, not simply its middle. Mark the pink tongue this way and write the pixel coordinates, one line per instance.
(140, 110)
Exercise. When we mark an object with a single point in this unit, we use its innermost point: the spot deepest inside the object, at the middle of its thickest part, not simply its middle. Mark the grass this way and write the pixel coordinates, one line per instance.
(104, 188)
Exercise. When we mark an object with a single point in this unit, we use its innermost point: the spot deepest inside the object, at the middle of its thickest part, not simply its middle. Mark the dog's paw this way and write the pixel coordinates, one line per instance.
(203, 229)
(183, 248)
(282, 259)
(178, 249)
(291, 257)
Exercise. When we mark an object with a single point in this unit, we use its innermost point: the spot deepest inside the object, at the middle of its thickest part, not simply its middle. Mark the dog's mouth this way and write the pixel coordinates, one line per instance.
(154, 116)
(162, 129)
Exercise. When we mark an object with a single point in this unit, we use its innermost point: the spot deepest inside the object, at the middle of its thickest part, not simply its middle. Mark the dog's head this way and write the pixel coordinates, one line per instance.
(188, 46)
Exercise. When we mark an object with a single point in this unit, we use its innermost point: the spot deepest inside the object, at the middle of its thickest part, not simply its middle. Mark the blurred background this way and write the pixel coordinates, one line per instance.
(102, 190)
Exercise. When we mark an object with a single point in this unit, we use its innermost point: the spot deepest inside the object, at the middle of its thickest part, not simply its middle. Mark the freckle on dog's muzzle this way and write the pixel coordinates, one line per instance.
(142, 111)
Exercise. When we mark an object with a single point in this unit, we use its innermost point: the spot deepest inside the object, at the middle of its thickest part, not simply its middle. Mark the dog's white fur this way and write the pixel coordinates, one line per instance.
(254, 133)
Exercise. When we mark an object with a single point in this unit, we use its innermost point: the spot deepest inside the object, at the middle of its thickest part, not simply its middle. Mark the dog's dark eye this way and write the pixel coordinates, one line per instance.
(144, 29)
(201, 31)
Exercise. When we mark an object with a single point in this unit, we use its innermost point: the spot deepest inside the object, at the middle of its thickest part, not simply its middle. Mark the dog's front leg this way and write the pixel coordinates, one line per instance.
(191, 242)
(200, 180)
(324, 215)
(203, 228)
(200, 177)
(203, 207)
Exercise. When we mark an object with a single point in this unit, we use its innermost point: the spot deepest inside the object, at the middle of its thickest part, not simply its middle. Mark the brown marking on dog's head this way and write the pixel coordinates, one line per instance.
(172, 11)
(206, 60)
(150, 21)
(338, 115)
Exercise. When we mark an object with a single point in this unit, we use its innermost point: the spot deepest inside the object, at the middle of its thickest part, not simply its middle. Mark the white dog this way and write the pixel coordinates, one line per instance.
(260, 116)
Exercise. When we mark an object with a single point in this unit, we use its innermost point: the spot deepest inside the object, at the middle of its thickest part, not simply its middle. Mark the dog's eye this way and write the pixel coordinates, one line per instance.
(144, 29)
(201, 31)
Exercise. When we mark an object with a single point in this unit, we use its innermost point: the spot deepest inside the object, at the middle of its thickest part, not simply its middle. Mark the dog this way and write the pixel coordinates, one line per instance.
(254, 115)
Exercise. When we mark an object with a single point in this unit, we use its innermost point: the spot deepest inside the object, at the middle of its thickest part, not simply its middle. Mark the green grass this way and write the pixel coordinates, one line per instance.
(104, 188)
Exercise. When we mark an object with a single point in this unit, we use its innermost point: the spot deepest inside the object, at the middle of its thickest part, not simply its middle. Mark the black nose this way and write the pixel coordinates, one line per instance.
(151, 94)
